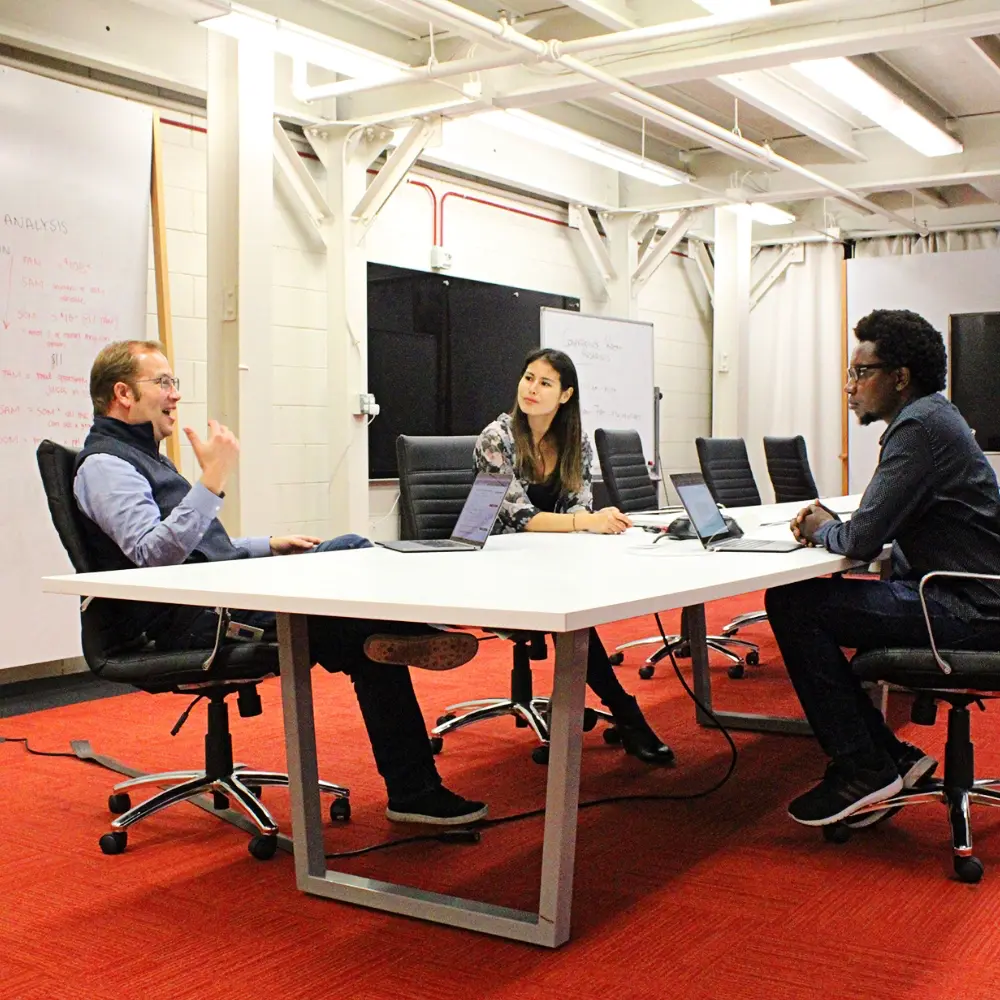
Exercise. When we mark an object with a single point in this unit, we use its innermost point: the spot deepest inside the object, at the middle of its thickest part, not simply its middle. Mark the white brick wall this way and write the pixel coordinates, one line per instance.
(486, 244)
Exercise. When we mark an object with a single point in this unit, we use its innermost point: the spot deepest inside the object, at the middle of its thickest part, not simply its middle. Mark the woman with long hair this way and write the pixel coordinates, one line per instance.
(541, 442)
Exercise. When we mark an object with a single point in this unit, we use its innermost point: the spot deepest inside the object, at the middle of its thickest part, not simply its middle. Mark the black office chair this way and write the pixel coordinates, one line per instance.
(788, 467)
(726, 469)
(435, 476)
(962, 678)
(214, 674)
(631, 490)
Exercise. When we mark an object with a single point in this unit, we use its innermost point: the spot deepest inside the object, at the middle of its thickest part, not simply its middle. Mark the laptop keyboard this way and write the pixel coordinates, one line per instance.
(441, 543)
(746, 545)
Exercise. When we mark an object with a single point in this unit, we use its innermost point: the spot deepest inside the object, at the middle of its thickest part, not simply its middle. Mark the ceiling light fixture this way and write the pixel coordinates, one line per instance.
(768, 215)
(246, 24)
(567, 140)
(841, 78)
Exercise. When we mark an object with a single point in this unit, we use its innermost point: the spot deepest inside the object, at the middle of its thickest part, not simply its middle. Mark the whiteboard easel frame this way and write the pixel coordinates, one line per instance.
(164, 317)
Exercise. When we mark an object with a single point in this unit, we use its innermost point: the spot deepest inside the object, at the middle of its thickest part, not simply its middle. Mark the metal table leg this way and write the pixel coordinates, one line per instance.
(703, 689)
(550, 926)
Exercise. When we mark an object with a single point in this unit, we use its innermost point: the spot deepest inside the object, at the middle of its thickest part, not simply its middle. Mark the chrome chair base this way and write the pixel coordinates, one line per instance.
(534, 715)
(236, 787)
(742, 621)
(728, 646)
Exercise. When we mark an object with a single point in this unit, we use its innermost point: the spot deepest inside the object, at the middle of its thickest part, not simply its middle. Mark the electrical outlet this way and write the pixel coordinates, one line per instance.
(367, 405)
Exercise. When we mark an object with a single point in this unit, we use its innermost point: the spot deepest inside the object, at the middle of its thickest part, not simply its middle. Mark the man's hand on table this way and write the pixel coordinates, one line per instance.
(288, 545)
(806, 523)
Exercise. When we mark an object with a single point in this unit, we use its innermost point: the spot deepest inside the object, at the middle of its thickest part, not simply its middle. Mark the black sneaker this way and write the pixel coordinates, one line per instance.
(844, 788)
(437, 808)
(913, 765)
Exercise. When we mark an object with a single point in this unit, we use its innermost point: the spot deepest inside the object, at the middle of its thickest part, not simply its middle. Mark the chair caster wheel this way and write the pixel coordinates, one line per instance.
(437, 744)
(540, 755)
(612, 737)
(752, 658)
(589, 719)
(263, 846)
(616, 659)
(114, 842)
(256, 791)
(442, 719)
(836, 833)
(736, 671)
(969, 869)
(118, 803)
(340, 810)
(646, 672)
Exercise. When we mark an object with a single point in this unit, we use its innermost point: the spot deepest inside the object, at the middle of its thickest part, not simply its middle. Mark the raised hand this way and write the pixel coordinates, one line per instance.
(287, 545)
(217, 456)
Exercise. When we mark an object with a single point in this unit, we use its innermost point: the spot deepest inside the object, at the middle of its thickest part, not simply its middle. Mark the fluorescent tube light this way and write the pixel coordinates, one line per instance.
(855, 87)
(769, 215)
(246, 24)
(568, 140)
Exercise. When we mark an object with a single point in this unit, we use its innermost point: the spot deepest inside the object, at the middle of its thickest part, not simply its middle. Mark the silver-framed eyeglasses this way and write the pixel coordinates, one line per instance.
(857, 373)
(165, 382)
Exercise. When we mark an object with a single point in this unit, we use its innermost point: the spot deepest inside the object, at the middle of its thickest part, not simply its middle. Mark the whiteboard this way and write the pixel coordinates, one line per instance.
(614, 361)
(74, 233)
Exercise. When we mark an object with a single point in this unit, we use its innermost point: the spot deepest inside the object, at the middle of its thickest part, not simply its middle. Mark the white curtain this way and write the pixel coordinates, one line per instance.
(793, 363)
(895, 246)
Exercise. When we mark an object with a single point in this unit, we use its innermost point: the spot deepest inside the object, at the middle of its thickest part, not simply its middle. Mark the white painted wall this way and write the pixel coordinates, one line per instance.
(486, 243)
(935, 286)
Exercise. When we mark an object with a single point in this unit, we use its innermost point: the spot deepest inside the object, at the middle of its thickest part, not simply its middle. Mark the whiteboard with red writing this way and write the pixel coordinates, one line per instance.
(74, 232)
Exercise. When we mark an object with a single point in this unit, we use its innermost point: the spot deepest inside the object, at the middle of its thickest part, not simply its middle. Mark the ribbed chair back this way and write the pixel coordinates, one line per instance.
(788, 467)
(624, 469)
(435, 477)
(726, 468)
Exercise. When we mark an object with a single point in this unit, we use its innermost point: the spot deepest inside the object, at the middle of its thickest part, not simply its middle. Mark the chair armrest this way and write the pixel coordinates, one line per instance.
(945, 666)
(224, 619)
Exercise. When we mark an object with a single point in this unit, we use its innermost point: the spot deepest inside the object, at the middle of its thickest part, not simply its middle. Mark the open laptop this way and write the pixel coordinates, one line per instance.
(474, 524)
(709, 524)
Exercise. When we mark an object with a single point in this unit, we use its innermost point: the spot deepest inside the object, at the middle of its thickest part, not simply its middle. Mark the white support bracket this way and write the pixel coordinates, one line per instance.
(291, 165)
(794, 253)
(659, 252)
(581, 220)
(705, 266)
(394, 172)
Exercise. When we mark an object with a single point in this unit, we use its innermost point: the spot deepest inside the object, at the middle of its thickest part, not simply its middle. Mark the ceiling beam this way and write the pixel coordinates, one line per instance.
(770, 92)
(988, 52)
(612, 14)
(878, 26)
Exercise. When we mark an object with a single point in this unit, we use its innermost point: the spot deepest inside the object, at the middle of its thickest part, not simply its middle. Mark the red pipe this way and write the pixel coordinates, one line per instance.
(434, 205)
(491, 204)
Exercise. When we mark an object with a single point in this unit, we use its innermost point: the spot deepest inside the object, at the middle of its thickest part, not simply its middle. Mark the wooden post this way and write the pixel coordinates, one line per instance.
(844, 449)
(164, 318)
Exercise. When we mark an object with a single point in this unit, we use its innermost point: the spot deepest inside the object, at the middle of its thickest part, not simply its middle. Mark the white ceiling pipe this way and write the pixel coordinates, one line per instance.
(555, 51)
(605, 42)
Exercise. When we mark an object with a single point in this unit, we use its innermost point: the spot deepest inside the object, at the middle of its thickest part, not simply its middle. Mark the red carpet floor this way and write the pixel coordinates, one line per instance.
(722, 897)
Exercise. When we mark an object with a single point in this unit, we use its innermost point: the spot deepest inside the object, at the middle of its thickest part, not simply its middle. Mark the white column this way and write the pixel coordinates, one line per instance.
(240, 208)
(730, 338)
(346, 152)
(624, 252)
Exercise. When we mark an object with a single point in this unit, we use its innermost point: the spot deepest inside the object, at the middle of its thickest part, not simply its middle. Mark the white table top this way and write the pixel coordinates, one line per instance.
(543, 582)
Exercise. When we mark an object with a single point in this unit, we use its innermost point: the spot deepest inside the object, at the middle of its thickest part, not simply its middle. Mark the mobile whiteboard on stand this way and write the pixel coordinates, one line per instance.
(614, 361)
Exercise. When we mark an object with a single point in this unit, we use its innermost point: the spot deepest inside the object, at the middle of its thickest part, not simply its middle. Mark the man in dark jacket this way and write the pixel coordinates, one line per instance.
(934, 497)
(140, 511)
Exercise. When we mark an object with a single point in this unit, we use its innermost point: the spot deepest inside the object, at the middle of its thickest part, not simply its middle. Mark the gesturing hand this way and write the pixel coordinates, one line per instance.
(287, 545)
(217, 456)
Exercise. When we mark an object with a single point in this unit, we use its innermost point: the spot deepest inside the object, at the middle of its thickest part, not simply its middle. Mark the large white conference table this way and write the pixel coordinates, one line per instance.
(556, 583)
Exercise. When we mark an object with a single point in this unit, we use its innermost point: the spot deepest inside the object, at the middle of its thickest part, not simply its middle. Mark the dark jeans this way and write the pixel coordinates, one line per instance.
(813, 619)
(385, 693)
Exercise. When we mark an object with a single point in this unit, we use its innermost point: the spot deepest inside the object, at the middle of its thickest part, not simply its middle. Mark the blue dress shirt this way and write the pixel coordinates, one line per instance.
(119, 500)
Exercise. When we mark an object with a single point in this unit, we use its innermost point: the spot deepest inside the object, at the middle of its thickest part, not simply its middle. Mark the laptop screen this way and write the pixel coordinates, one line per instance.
(481, 508)
(706, 518)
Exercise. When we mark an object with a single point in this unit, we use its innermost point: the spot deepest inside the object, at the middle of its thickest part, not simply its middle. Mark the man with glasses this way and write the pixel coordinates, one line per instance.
(140, 511)
(934, 497)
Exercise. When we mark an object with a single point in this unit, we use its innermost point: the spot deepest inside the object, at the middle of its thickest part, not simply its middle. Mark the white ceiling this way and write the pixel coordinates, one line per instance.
(942, 57)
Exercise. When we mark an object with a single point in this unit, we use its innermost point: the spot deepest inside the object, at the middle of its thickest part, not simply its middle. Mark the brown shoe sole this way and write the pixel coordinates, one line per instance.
(442, 651)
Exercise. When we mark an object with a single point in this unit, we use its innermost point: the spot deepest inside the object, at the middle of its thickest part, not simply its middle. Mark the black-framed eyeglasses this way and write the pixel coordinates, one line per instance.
(165, 382)
(858, 372)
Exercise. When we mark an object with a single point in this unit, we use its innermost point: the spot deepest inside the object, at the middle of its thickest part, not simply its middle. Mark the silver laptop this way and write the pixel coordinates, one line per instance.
(474, 524)
(709, 524)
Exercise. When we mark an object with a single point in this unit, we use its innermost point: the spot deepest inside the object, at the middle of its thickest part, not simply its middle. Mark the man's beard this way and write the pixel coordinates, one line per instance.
(867, 418)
